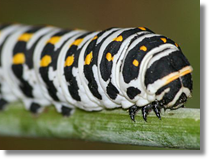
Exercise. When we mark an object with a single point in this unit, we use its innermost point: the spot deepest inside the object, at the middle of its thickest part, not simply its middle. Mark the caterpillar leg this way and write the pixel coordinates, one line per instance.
(145, 111)
(156, 109)
(134, 109)
(155, 106)
(35, 108)
(132, 112)
(65, 109)
(3, 103)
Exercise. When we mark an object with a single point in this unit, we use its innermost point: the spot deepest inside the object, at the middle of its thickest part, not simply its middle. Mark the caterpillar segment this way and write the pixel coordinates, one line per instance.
(132, 68)
(6, 94)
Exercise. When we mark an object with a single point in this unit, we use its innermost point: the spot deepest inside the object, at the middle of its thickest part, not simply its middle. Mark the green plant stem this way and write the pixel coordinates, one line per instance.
(177, 129)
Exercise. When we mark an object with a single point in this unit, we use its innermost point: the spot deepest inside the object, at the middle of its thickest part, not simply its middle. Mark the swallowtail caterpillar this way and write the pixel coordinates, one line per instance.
(132, 68)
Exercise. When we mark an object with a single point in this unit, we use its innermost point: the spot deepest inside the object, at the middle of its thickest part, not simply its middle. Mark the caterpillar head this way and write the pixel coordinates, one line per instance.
(168, 77)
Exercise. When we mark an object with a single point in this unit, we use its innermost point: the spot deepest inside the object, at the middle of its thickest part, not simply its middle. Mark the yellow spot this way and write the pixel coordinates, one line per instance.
(46, 60)
(54, 40)
(163, 39)
(118, 39)
(89, 58)
(19, 58)
(142, 28)
(77, 42)
(143, 48)
(176, 45)
(135, 63)
(95, 37)
(25, 37)
(69, 61)
(109, 56)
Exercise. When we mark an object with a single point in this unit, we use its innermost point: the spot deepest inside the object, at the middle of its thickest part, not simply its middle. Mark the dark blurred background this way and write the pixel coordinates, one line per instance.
(178, 20)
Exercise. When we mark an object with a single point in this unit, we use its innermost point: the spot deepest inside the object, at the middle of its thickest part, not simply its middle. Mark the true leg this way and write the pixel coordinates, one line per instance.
(156, 109)
(145, 110)
(132, 112)
(66, 111)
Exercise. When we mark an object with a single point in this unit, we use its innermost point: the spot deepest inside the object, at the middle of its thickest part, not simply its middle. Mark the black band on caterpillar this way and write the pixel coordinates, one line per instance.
(130, 68)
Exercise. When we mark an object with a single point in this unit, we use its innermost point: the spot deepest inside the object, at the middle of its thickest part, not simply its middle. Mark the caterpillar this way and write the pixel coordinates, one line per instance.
(131, 68)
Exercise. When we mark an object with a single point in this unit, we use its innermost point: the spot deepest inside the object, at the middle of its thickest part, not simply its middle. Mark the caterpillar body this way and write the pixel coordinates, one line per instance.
(132, 68)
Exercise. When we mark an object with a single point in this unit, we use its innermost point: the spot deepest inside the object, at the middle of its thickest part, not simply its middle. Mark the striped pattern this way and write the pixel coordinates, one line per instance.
(117, 67)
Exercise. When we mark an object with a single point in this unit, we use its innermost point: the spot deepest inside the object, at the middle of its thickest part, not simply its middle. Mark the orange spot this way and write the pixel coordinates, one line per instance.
(89, 58)
(176, 45)
(142, 28)
(95, 37)
(135, 63)
(69, 61)
(163, 39)
(109, 57)
(143, 48)
(46, 60)
(25, 37)
(19, 58)
(118, 39)
(54, 40)
(77, 42)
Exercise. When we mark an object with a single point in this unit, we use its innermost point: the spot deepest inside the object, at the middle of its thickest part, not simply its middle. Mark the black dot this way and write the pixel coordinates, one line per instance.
(132, 92)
